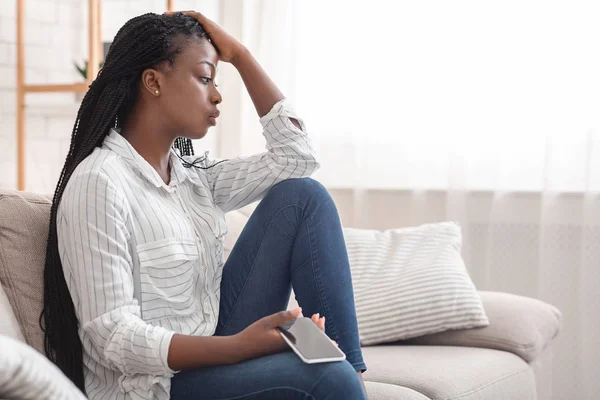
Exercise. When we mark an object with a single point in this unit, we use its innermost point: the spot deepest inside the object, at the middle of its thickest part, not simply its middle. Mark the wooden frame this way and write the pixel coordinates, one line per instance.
(94, 57)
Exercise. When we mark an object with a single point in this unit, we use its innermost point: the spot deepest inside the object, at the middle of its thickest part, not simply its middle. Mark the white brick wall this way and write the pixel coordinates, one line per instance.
(55, 36)
(51, 45)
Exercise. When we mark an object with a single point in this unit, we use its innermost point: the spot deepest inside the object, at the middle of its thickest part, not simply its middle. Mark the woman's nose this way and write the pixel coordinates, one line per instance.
(216, 97)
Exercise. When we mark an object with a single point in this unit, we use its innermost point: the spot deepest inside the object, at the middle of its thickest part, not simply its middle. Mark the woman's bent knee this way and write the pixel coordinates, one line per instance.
(338, 381)
(301, 185)
(304, 188)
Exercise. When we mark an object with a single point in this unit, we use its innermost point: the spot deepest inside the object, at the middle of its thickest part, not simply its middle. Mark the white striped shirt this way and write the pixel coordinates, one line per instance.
(118, 220)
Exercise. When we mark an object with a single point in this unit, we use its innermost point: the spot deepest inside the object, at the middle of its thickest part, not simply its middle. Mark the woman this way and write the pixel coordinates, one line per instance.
(138, 304)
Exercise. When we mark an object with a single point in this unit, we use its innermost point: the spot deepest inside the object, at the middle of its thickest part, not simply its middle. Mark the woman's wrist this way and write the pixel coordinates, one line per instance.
(239, 350)
(241, 56)
(186, 352)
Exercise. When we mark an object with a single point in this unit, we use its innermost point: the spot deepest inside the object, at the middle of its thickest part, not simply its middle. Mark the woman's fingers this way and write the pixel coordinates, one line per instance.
(320, 321)
(315, 318)
(227, 46)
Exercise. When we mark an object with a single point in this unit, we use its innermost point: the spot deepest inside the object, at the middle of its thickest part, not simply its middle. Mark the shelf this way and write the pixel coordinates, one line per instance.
(80, 87)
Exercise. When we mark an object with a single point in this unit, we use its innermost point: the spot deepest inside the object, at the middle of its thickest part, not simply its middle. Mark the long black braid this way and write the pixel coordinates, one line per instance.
(141, 43)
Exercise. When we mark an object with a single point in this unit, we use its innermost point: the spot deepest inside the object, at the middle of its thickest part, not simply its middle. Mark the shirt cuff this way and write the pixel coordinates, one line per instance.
(282, 108)
(165, 342)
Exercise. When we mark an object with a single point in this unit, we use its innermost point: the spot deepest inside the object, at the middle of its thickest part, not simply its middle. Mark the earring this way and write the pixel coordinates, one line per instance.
(156, 91)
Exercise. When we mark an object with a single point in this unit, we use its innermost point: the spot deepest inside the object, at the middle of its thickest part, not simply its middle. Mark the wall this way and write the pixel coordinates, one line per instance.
(55, 36)
(51, 37)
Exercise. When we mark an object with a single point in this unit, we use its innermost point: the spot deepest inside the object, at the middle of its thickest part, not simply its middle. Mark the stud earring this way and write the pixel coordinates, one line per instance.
(156, 91)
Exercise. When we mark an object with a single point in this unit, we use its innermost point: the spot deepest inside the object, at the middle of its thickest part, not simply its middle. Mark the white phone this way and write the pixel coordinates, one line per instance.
(309, 342)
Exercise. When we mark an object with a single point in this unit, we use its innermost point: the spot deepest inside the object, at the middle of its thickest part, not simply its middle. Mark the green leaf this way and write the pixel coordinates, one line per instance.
(83, 70)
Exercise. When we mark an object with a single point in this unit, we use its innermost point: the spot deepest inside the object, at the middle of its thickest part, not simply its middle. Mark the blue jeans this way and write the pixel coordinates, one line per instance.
(294, 238)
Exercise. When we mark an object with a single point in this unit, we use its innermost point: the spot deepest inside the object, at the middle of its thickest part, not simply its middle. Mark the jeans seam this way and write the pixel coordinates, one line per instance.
(316, 276)
(254, 263)
(269, 389)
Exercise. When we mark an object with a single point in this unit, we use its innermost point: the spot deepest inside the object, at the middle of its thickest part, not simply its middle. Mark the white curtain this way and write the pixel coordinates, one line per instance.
(487, 113)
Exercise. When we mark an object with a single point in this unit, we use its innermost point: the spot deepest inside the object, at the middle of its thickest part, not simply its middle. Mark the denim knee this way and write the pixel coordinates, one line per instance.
(339, 381)
(302, 187)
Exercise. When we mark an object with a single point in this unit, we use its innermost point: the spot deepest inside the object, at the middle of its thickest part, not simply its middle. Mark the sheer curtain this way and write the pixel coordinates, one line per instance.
(484, 113)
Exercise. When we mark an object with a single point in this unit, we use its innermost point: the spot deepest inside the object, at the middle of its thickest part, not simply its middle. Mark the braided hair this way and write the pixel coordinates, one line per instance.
(141, 43)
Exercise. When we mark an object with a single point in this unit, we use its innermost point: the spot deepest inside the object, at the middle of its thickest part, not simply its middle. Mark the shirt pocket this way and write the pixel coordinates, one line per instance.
(168, 275)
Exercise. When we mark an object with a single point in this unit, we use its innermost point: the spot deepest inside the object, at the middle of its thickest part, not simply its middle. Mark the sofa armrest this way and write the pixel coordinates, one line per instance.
(520, 325)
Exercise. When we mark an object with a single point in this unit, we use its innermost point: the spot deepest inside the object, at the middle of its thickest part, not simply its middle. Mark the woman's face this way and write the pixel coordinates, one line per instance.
(188, 94)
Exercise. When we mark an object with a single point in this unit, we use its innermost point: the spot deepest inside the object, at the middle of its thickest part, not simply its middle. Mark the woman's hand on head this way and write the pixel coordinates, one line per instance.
(227, 46)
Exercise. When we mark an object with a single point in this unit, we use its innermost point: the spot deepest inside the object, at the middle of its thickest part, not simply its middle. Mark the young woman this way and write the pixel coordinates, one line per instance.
(138, 303)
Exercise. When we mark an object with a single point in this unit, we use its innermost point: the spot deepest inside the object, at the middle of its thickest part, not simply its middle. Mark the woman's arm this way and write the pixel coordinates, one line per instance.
(188, 352)
(96, 260)
(259, 339)
(261, 88)
(243, 180)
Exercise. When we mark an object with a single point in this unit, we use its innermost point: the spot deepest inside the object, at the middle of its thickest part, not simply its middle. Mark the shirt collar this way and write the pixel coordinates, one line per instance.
(118, 144)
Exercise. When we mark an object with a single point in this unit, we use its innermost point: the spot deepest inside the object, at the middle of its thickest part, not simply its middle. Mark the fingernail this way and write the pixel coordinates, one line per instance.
(318, 315)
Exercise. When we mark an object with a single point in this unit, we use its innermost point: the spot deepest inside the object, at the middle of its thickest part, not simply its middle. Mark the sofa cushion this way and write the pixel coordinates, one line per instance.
(23, 232)
(444, 372)
(385, 391)
(518, 324)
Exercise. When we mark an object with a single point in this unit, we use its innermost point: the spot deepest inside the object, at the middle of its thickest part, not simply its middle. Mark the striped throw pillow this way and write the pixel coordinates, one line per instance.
(28, 375)
(411, 282)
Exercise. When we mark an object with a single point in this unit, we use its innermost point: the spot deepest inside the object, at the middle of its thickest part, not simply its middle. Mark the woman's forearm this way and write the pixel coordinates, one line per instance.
(187, 352)
(263, 91)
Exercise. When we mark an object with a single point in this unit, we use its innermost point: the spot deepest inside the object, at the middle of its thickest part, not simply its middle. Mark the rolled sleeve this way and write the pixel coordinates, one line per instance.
(290, 154)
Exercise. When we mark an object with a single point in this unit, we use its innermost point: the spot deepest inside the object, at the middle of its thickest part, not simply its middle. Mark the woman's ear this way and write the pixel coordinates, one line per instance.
(151, 81)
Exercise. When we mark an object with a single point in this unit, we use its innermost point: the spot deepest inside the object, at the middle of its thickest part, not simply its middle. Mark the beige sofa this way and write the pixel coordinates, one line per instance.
(510, 359)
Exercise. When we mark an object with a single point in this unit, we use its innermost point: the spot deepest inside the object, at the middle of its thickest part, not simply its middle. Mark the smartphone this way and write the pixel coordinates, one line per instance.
(309, 342)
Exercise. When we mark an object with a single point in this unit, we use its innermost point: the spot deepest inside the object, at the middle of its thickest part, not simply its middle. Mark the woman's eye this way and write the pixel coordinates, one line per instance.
(207, 80)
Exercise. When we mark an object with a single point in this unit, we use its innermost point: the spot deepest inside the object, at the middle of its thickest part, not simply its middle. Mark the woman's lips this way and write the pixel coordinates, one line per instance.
(213, 118)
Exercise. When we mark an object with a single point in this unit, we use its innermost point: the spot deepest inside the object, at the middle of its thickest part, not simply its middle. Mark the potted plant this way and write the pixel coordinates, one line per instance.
(83, 72)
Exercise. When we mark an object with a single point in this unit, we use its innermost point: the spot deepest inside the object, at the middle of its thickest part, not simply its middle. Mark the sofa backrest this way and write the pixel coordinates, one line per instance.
(24, 219)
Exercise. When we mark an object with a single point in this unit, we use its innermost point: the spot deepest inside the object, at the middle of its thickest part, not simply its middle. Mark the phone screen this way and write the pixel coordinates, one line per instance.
(310, 341)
